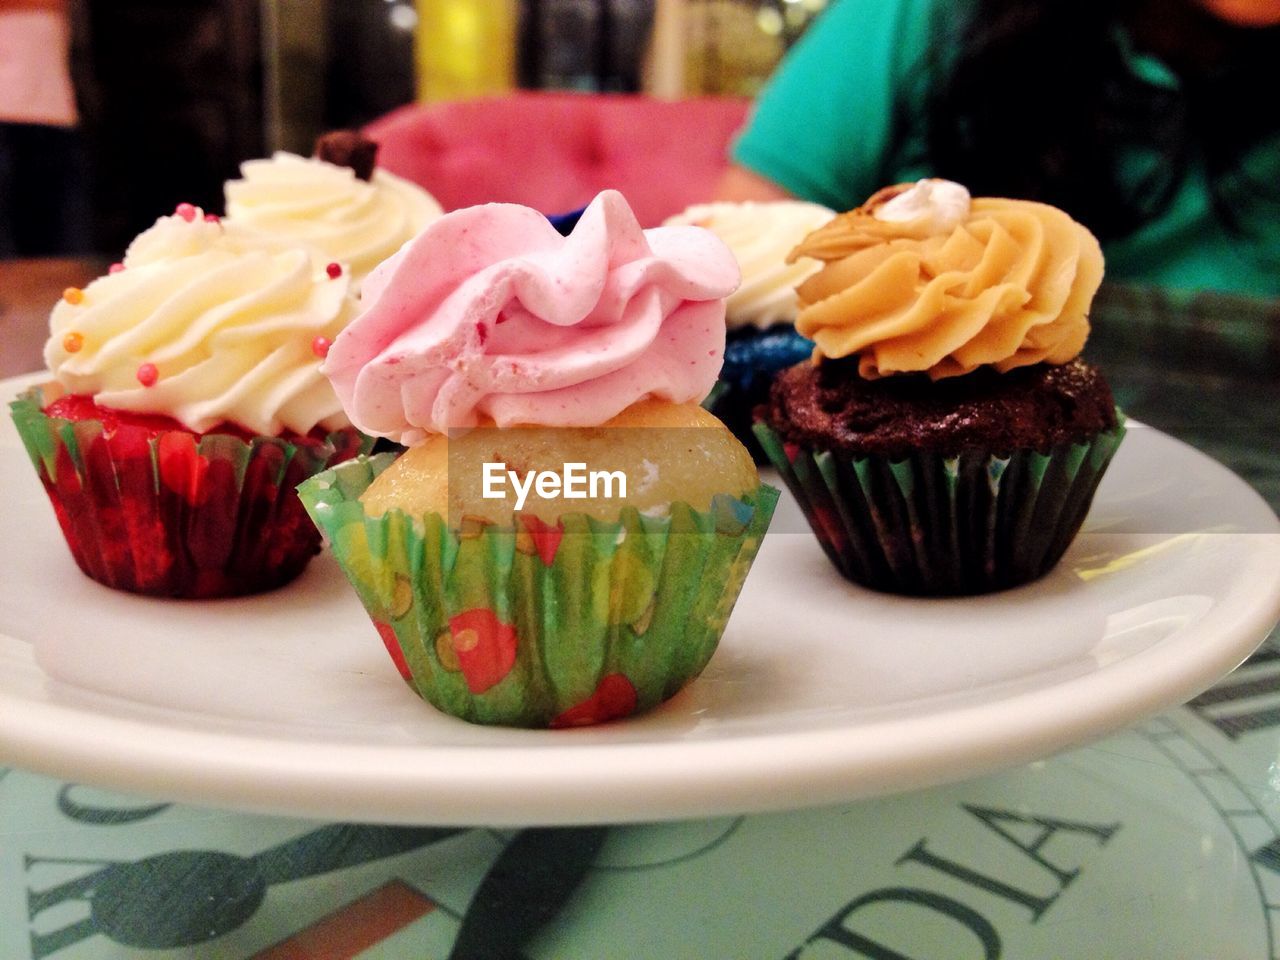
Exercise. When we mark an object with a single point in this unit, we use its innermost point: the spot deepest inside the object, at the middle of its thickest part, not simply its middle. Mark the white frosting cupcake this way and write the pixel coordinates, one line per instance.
(304, 201)
(198, 325)
(760, 236)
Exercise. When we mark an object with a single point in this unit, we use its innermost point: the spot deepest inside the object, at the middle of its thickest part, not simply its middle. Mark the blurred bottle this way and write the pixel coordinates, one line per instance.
(723, 46)
(465, 48)
(468, 48)
(589, 45)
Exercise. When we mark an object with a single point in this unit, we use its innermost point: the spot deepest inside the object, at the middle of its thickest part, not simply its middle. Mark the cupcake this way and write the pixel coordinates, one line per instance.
(945, 437)
(337, 202)
(760, 315)
(496, 349)
(185, 406)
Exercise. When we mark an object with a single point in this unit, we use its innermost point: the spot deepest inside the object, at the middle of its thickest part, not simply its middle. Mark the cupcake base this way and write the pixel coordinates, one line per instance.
(174, 514)
(752, 359)
(930, 525)
(542, 626)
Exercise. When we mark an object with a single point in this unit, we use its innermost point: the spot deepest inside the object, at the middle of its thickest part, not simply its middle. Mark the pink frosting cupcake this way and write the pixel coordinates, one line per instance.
(492, 341)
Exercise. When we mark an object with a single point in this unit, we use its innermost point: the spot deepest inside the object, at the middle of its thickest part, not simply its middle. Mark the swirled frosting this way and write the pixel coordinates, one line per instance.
(760, 235)
(304, 201)
(920, 279)
(490, 313)
(226, 332)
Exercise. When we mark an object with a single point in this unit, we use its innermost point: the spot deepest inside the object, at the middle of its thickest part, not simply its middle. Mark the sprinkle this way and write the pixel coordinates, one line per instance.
(186, 211)
(334, 270)
(115, 268)
(148, 374)
(212, 218)
(320, 347)
(73, 295)
(72, 342)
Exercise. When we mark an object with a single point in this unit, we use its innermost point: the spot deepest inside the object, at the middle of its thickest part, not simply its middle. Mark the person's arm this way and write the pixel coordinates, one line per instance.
(738, 184)
(823, 128)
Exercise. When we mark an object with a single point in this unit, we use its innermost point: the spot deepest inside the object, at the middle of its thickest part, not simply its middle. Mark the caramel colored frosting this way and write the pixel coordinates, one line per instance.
(921, 278)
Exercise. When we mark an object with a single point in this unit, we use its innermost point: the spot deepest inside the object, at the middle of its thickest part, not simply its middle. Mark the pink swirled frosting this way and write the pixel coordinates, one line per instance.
(490, 314)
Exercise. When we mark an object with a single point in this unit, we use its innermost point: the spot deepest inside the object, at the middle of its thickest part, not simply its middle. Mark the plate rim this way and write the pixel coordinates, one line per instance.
(712, 777)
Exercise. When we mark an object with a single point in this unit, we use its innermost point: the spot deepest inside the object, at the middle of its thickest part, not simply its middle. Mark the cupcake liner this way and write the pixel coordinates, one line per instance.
(752, 360)
(178, 515)
(541, 625)
(933, 525)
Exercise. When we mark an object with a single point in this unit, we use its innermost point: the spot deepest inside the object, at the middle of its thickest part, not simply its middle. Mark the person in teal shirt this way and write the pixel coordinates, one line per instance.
(1154, 122)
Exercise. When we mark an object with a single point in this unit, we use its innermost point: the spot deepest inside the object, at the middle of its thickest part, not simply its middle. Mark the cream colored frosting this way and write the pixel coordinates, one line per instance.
(760, 234)
(945, 290)
(305, 201)
(229, 328)
(941, 203)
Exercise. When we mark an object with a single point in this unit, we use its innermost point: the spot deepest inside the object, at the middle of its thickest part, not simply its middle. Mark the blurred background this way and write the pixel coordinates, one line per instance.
(114, 112)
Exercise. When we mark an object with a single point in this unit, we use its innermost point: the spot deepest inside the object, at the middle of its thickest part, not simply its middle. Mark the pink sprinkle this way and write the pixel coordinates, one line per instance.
(320, 347)
(212, 218)
(148, 374)
(186, 211)
(334, 270)
(115, 268)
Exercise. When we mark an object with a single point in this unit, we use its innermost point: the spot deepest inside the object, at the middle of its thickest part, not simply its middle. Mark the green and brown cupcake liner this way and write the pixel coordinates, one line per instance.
(542, 625)
(927, 524)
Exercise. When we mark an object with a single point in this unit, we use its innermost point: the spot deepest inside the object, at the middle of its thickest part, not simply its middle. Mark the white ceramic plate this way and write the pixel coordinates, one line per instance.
(820, 691)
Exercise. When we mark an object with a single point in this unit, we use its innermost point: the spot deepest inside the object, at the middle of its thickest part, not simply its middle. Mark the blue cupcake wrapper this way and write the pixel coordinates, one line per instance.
(752, 360)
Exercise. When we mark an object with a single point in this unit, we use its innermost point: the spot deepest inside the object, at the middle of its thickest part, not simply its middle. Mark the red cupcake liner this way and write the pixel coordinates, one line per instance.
(177, 514)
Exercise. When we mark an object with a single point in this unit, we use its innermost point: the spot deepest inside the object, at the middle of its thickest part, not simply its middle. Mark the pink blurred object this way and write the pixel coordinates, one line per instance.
(555, 151)
(35, 76)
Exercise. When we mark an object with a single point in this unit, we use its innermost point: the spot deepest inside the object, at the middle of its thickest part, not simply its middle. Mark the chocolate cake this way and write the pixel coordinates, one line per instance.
(828, 406)
(946, 438)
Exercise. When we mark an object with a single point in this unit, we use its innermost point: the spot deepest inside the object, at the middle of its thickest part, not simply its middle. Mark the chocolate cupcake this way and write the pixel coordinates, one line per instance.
(945, 438)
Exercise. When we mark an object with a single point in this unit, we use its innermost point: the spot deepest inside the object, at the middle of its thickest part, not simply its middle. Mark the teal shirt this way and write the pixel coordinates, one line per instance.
(824, 129)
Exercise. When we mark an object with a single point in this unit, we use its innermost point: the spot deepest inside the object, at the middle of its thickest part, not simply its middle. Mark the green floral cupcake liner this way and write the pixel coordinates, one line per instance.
(565, 625)
(933, 525)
